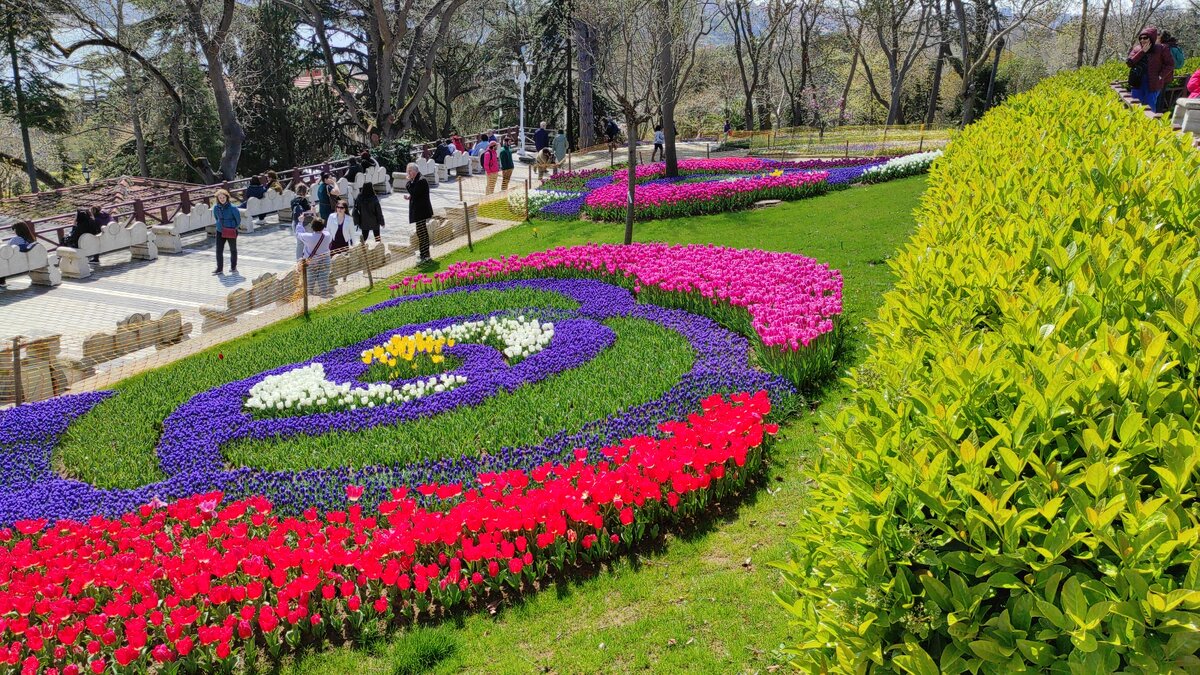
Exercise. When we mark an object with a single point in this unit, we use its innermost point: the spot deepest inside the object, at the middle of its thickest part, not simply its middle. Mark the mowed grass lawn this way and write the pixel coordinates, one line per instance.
(703, 602)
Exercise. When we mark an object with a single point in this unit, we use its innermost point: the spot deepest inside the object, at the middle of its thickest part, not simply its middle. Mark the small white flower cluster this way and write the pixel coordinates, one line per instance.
(899, 167)
(537, 199)
(517, 338)
(307, 388)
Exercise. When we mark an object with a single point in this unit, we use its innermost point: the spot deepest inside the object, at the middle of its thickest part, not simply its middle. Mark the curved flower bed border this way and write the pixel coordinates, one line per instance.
(192, 584)
(189, 450)
(789, 302)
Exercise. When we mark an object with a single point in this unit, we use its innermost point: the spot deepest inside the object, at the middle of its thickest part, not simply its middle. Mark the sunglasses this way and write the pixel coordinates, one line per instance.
(341, 208)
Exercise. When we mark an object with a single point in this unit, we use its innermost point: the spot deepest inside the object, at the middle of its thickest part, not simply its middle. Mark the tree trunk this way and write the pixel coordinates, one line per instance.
(1100, 33)
(587, 64)
(939, 61)
(895, 111)
(968, 98)
(987, 105)
(232, 133)
(849, 80)
(1082, 36)
(568, 66)
(30, 169)
(135, 110)
(666, 77)
(631, 127)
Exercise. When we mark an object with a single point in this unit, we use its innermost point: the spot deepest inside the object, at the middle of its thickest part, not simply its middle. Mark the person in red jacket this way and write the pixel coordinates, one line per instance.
(1193, 85)
(1150, 67)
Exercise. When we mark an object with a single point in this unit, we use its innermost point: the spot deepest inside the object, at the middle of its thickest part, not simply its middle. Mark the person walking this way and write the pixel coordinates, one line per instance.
(301, 213)
(659, 144)
(368, 212)
(342, 226)
(420, 209)
(541, 137)
(506, 162)
(1150, 67)
(559, 145)
(491, 167)
(316, 255)
(228, 218)
(327, 190)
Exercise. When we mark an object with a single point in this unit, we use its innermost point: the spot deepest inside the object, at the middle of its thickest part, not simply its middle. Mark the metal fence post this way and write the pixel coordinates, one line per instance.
(527, 200)
(921, 145)
(17, 394)
(367, 266)
(707, 150)
(304, 283)
(460, 195)
(467, 220)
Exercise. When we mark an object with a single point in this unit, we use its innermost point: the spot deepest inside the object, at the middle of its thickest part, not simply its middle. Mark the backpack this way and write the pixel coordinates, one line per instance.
(1137, 72)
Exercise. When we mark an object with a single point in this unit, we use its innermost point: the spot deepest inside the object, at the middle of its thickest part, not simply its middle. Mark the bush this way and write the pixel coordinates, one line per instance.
(1012, 486)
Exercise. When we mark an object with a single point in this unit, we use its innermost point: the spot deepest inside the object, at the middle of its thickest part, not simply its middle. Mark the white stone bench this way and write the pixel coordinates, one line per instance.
(168, 238)
(40, 265)
(459, 161)
(114, 237)
(375, 175)
(259, 208)
(429, 169)
(1187, 115)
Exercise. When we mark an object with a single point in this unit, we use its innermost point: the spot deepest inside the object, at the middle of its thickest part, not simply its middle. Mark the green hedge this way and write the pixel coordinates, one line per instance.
(1012, 486)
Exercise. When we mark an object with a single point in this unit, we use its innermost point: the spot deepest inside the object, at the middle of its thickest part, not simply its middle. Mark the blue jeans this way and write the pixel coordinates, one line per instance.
(318, 275)
(1147, 97)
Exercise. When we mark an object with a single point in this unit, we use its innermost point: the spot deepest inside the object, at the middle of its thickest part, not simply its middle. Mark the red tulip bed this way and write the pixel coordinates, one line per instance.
(190, 586)
(221, 566)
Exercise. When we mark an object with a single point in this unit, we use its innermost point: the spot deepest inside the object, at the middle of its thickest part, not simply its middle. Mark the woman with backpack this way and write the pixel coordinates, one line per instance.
(1151, 67)
(368, 212)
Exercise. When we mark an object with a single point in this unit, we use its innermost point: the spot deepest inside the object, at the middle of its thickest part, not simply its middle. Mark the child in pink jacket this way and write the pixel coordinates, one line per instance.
(1193, 85)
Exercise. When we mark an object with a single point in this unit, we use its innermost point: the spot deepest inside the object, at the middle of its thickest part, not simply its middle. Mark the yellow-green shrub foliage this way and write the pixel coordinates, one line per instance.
(1013, 486)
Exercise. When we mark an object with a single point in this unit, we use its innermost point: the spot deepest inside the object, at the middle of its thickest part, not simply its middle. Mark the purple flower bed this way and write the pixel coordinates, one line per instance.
(189, 449)
(841, 172)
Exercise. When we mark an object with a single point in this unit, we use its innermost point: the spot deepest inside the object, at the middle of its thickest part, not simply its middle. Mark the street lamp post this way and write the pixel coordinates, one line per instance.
(87, 174)
(520, 75)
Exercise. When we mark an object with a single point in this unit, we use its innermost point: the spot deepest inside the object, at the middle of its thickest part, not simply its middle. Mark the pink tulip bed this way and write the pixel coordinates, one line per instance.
(791, 303)
(703, 186)
(656, 200)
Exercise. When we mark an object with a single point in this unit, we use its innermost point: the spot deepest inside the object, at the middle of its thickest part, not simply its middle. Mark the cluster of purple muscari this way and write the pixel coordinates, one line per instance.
(565, 209)
(26, 428)
(849, 174)
(189, 450)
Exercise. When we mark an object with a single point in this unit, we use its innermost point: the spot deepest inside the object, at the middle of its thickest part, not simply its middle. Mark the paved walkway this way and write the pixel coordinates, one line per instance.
(120, 286)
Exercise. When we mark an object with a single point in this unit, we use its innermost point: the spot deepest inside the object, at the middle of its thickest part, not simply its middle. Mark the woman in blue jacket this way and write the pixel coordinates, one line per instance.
(228, 219)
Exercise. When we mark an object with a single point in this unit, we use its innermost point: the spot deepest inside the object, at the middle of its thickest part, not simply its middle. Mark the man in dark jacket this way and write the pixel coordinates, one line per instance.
(1150, 67)
(420, 209)
(541, 138)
